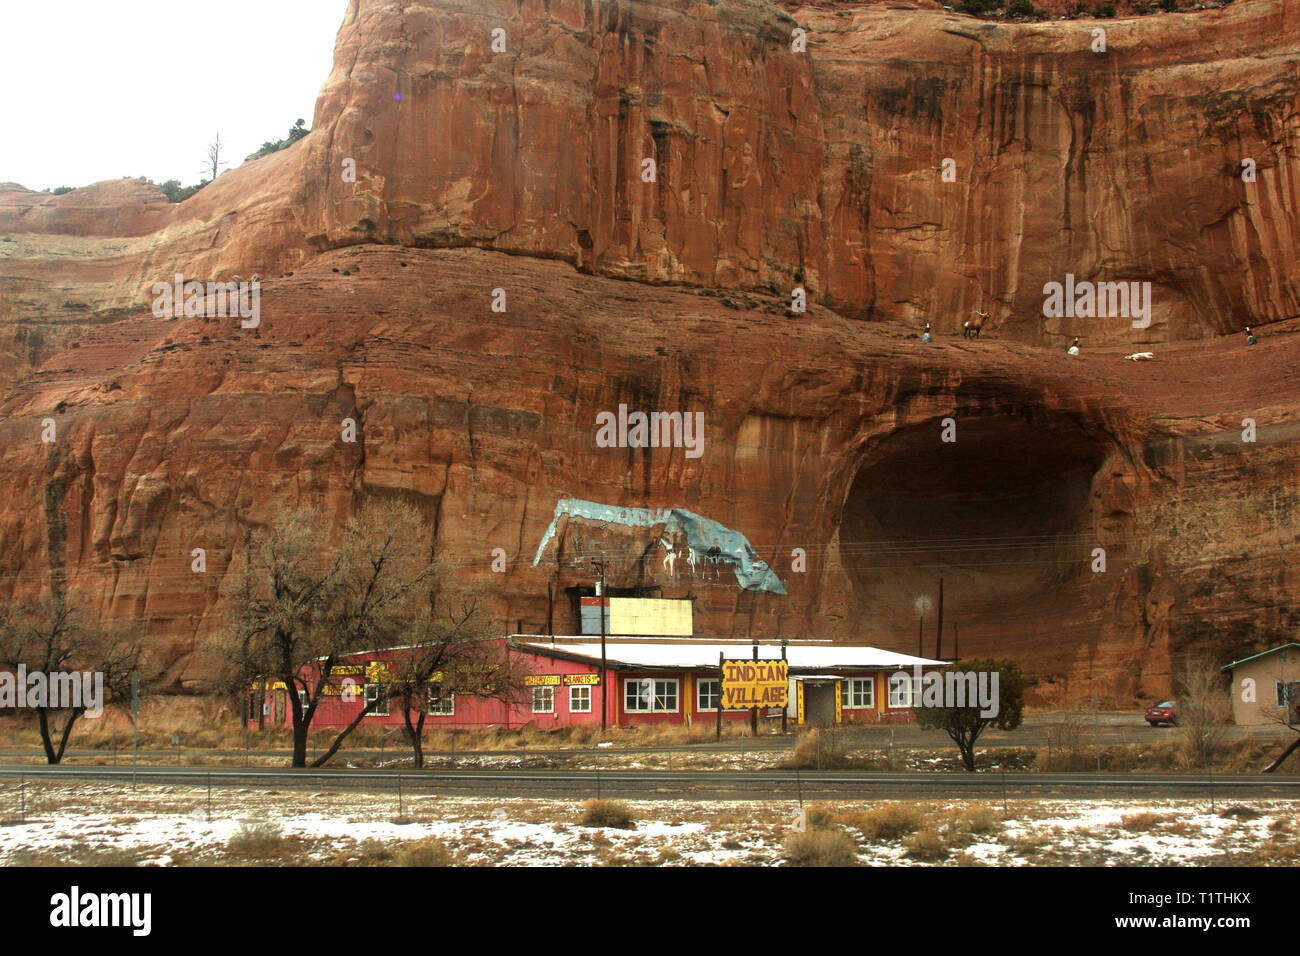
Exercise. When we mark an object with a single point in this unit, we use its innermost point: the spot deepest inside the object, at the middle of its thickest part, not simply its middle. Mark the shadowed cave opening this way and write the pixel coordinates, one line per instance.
(1002, 515)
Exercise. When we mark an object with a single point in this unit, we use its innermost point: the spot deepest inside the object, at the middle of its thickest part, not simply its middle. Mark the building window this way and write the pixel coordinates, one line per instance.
(708, 693)
(543, 700)
(860, 693)
(373, 695)
(580, 699)
(648, 695)
(440, 704)
(900, 691)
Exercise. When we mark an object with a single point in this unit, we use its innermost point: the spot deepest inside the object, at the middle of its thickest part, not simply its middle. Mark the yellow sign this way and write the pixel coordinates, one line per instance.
(754, 684)
(542, 680)
(582, 679)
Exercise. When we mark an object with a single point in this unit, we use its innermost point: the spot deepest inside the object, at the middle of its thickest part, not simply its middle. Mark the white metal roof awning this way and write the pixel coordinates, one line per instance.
(818, 677)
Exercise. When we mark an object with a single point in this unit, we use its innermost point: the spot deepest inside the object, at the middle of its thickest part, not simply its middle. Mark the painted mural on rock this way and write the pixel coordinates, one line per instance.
(654, 545)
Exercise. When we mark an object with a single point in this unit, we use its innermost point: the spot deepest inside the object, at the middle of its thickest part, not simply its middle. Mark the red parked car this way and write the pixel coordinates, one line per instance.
(1165, 712)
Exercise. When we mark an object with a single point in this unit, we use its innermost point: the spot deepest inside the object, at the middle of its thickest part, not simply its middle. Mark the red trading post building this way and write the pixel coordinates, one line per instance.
(649, 680)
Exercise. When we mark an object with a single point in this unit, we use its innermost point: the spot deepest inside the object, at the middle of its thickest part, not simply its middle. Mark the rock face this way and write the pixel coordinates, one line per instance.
(823, 433)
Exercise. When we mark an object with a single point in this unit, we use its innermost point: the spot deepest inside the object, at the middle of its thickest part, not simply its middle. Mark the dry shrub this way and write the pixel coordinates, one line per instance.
(820, 848)
(373, 852)
(821, 748)
(892, 821)
(1273, 854)
(109, 856)
(1241, 812)
(256, 838)
(607, 813)
(583, 733)
(1026, 844)
(818, 817)
(927, 844)
(1203, 722)
(1143, 821)
(668, 854)
(427, 852)
(976, 820)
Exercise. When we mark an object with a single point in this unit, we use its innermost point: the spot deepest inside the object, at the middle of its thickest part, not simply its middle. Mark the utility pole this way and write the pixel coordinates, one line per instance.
(604, 684)
(938, 640)
(920, 637)
(753, 711)
(956, 642)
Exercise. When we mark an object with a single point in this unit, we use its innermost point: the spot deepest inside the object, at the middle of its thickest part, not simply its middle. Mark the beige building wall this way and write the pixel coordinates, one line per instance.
(1266, 673)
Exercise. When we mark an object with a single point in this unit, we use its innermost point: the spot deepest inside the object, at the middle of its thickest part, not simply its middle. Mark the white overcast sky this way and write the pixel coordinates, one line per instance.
(93, 89)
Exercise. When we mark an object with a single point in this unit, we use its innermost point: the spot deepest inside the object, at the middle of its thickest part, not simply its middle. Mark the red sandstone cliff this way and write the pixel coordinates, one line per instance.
(773, 168)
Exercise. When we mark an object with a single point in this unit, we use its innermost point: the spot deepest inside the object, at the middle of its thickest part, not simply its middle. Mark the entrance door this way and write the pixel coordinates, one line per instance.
(819, 703)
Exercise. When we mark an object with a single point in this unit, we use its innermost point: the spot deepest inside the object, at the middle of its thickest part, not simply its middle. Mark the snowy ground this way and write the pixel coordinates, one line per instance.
(93, 824)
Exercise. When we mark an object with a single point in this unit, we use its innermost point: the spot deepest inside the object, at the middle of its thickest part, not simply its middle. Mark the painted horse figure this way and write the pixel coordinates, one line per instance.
(971, 328)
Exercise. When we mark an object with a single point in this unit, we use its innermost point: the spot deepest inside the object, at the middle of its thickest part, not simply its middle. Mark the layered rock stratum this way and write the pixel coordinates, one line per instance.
(522, 171)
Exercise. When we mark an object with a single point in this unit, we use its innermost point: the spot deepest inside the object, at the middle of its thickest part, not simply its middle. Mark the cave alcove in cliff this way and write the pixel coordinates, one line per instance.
(1002, 515)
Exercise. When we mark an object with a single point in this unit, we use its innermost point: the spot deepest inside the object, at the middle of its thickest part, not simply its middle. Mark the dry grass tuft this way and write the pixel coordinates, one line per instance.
(818, 817)
(820, 848)
(1144, 821)
(427, 852)
(892, 821)
(974, 820)
(256, 838)
(927, 844)
(1240, 811)
(607, 813)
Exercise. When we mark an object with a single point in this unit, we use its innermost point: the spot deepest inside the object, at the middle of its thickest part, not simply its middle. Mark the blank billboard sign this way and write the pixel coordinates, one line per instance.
(650, 617)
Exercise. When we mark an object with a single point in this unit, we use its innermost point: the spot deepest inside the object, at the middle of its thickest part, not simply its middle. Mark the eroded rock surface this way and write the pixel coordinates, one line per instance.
(823, 432)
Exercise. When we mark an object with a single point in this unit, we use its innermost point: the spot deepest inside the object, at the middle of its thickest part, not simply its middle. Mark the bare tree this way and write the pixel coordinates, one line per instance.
(214, 164)
(302, 604)
(1068, 734)
(1203, 715)
(455, 654)
(1285, 713)
(61, 649)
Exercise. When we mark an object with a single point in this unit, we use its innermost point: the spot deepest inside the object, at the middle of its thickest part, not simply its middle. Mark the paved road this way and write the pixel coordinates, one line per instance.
(736, 785)
(1036, 731)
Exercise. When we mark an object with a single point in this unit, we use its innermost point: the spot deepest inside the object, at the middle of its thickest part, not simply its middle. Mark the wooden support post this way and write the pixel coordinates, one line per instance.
(785, 711)
(719, 733)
